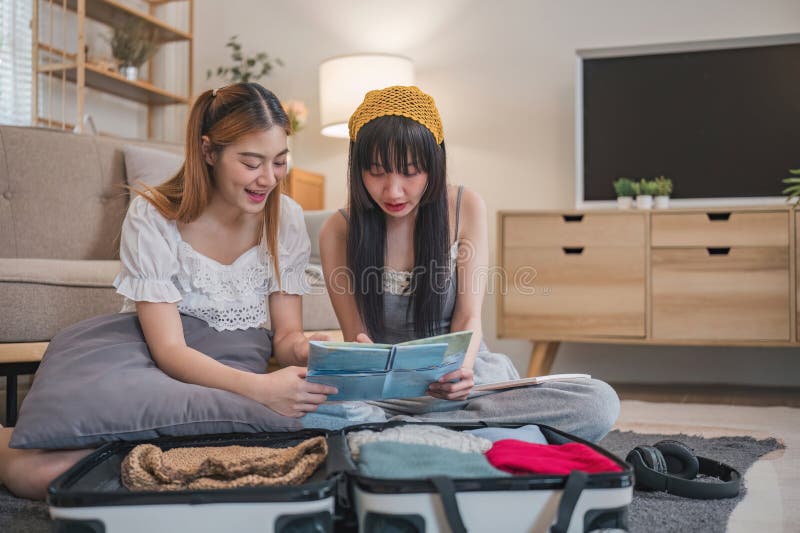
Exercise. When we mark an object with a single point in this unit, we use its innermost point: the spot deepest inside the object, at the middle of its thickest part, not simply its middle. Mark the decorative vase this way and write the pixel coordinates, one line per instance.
(644, 201)
(130, 72)
(624, 202)
(661, 202)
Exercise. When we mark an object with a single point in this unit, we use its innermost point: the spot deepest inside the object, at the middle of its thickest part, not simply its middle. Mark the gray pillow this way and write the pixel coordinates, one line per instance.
(149, 166)
(98, 383)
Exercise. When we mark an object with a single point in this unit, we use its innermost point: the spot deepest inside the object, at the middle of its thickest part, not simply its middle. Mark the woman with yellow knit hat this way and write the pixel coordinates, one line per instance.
(415, 251)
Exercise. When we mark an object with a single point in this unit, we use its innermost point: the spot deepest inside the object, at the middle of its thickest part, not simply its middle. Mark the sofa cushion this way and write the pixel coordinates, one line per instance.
(149, 166)
(314, 221)
(62, 194)
(43, 296)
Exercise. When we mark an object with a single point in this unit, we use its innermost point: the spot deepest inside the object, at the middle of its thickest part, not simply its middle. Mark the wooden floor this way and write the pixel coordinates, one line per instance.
(712, 394)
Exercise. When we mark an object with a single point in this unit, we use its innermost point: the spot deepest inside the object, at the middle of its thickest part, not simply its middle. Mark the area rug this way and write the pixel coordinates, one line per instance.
(649, 512)
(662, 512)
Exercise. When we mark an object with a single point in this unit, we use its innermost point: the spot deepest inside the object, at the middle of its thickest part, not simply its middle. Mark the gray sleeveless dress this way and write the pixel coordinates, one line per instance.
(586, 408)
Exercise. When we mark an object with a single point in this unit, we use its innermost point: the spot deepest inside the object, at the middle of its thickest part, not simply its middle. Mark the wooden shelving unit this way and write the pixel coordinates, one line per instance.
(74, 68)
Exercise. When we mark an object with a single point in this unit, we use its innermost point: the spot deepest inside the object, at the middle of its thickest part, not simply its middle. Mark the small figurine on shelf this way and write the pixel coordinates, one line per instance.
(132, 44)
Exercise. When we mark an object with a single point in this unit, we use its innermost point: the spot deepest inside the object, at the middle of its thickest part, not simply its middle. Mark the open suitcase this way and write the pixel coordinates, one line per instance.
(89, 498)
(530, 503)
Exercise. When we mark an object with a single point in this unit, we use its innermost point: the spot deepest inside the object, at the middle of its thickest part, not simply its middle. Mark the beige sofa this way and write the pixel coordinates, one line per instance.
(62, 201)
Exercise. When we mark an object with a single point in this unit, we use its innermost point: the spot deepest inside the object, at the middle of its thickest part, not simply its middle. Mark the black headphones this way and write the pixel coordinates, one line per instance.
(671, 466)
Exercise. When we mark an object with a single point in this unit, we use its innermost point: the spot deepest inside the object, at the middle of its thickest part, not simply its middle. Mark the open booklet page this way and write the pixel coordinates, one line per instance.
(383, 371)
(527, 382)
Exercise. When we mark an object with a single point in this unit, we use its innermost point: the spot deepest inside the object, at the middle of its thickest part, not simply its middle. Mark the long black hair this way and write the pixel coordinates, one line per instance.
(396, 141)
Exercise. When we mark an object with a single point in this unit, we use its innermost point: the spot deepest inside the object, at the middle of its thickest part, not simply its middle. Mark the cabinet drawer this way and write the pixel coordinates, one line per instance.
(552, 292)
(741, 295)
(720, 229)
(611, 229)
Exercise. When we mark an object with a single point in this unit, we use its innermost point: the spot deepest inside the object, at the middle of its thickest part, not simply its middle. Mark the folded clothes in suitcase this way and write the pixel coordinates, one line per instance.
(91, 496)
(505, 503)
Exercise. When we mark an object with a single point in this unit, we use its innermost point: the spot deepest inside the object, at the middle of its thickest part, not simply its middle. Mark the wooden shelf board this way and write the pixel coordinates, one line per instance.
(44, 47)
(44, 121)
(50, 68)
(111, 82)
(113, 13)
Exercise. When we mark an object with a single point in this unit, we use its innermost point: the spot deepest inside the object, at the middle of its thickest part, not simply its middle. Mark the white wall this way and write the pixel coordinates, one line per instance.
(502, 74)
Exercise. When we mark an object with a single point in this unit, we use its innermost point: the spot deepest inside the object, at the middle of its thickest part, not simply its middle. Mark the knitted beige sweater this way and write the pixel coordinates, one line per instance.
(147, 467)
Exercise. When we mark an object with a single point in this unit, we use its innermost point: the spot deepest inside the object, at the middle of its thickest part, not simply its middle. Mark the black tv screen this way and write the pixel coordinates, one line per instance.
(719, 123)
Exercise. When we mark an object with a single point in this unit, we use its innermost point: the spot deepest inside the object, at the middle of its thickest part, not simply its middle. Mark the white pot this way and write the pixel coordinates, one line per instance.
(661, 202)
(624, 202)
(130, 72)
(644, 201)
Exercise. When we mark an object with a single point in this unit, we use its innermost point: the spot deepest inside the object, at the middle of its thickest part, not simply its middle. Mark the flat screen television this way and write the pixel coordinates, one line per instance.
(719, 118)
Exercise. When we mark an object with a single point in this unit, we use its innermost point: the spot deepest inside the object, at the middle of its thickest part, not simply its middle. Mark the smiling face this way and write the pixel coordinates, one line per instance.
(397, 191)
(248, 170)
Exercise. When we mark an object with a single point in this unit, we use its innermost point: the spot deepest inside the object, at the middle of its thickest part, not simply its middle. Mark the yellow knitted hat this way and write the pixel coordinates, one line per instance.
(402, 101)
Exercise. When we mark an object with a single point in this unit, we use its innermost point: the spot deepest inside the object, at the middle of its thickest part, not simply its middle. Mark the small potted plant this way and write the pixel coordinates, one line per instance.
(644, 194)
(792, 191)
(132, 44)
(625, 190)
(662, 190)
(244, 68)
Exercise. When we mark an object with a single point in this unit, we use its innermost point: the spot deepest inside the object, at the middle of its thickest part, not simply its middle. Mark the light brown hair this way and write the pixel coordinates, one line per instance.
(223, 115)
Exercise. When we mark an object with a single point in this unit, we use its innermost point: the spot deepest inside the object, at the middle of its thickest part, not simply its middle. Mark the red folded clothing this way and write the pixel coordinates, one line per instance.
(518, 457)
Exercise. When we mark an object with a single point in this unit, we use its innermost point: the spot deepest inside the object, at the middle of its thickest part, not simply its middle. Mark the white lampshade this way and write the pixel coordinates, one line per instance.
(343, 82)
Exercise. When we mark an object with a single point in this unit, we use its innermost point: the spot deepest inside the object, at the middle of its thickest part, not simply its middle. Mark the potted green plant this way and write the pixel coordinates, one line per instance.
(662, 190)
(625, 190)
(132, 43)
(644, 194)
(245, 67)
(792, 191)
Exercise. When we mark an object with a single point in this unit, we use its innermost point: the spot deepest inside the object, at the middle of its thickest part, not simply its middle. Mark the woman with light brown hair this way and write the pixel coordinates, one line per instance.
(206, 259)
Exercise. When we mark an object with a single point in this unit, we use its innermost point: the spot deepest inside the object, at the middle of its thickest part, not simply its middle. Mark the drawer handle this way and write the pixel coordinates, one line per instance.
(572, 218)
(718, 216)
(719, 251)
(573, 251)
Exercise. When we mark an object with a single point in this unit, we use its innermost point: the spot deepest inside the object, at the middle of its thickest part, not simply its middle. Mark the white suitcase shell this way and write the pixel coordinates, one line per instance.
(498, 505)
(89, 497)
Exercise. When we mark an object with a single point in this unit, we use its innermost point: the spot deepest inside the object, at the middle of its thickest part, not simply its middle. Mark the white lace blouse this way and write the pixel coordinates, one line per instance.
(159, 266)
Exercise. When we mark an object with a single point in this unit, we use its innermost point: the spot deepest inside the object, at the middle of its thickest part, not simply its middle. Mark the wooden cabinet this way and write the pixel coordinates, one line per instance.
(721, 275)
(306, 188)
(574, 274)
(721, 294)
(683, 276)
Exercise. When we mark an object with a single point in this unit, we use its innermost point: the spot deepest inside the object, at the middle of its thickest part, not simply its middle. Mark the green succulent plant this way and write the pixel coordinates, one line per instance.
(624, 187)
(793, 186)
(645, 187)
(663, 186)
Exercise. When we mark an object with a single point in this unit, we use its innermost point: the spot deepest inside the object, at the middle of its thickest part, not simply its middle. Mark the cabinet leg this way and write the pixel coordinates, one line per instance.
(542, 357)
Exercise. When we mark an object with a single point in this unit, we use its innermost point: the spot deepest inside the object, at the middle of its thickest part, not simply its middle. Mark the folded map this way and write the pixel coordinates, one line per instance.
(363, 371)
